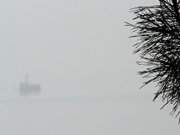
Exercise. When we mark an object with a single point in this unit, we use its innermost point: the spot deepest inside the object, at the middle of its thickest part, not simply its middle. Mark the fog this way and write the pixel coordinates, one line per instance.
(80, 54)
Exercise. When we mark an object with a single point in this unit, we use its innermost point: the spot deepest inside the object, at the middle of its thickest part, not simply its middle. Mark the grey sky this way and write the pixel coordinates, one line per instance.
(79, 51)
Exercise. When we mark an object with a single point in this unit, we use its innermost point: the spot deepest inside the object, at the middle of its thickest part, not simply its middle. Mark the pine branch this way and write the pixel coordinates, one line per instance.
(158, 29)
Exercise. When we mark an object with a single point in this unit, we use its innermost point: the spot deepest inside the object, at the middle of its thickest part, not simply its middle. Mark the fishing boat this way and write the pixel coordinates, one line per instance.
(26, 88)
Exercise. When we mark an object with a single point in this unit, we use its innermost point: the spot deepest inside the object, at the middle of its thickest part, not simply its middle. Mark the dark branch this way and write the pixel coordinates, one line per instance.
(158, 30)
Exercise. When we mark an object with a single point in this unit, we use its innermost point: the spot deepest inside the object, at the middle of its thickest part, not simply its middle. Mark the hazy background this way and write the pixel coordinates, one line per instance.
(79, 51)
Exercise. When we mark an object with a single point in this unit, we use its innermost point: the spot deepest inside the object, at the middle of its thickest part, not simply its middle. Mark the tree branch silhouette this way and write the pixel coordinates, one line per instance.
(158, 29)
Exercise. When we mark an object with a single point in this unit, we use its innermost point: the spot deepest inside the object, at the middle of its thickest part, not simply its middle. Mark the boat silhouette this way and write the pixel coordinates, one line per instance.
(26, 88)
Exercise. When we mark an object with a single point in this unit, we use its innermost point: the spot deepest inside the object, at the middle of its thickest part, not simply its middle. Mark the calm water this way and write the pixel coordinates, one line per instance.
(79, 116)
